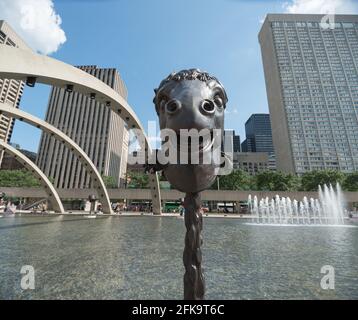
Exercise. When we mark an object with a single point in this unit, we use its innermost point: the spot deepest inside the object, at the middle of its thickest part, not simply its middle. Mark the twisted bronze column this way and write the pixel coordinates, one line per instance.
(194, 283)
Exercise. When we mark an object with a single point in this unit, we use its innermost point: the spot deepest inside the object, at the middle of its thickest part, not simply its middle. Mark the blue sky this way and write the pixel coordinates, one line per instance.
(148, 39)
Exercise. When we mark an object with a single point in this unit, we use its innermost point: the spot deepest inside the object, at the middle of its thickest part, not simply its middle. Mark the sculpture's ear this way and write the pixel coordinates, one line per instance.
(218, 88)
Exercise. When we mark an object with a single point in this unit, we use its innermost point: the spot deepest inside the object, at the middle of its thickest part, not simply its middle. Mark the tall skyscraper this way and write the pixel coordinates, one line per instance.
(100, 132)
(311, 72)
(246, 146)
(258, 134)
(10, 90)
(235, 140)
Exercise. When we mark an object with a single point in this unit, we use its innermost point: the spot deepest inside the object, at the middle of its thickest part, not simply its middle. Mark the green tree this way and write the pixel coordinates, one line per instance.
(137, 180)
(311, 180)
(109, 182)
(276, 181)
(236, 180)
(350, 182)
(18, 178)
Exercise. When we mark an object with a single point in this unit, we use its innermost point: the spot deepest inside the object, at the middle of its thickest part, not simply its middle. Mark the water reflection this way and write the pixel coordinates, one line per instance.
(141, 257)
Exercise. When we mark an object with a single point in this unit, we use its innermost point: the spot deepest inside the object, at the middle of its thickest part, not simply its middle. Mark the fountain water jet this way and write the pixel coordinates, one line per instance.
(328, 209)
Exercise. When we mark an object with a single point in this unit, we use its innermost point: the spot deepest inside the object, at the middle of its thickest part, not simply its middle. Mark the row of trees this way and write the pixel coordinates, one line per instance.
(267, 181)
(279, 181)
(23, 178)
(237, 180)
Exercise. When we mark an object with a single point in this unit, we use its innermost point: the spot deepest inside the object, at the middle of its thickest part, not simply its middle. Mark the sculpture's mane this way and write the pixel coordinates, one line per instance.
(190, 74)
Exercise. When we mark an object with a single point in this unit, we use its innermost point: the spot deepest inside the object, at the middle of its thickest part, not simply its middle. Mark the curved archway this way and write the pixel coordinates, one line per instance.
(52, 194)
(20, 64)
(59, 135)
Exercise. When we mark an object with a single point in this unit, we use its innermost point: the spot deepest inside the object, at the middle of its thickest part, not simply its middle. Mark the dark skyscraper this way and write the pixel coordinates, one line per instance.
(236, 140)
(258, 134)
(237, 144)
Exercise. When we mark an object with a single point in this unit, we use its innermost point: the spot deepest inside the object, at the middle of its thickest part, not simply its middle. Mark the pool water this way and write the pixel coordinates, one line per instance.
(141, 258)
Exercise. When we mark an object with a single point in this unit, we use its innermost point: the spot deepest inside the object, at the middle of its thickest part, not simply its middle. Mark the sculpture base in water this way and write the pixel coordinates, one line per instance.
(194, 283)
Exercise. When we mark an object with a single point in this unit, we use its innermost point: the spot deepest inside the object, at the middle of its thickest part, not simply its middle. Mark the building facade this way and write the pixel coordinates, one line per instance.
(235, 140)
(311, 74)
(10, 90)
(258, 134)
(246, 146)
(251, 162)
(100, 132)
(9, 162)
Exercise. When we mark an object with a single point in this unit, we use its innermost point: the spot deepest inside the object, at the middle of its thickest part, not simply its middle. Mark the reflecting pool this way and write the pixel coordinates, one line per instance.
(141, 258)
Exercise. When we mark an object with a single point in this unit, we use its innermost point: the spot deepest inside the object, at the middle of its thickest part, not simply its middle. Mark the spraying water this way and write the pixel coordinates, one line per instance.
(328, 209)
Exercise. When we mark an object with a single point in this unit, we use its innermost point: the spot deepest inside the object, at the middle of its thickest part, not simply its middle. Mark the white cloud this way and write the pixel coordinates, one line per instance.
(321, 6)
(36, 21)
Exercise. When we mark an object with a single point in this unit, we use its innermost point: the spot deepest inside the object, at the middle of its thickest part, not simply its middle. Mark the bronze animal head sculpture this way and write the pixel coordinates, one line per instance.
(191, 100)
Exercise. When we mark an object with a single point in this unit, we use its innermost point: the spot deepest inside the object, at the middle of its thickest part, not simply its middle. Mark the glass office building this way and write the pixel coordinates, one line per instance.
(235, 140)
(258, 134)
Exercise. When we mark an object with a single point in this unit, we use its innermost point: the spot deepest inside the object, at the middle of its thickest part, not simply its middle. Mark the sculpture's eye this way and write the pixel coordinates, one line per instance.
(207, 107)
(172, 106)
(218, 101)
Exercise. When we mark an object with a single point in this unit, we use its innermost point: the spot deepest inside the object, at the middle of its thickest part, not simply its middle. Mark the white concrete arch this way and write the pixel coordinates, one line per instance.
(52, 194)
(68, 142)
(20, 64)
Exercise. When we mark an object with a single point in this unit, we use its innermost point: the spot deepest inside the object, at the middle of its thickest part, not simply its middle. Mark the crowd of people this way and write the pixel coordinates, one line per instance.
(7, 207)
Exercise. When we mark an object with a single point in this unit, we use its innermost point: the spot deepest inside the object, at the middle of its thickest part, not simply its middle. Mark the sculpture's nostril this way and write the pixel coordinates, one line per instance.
(207, 107)
(172, 106)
